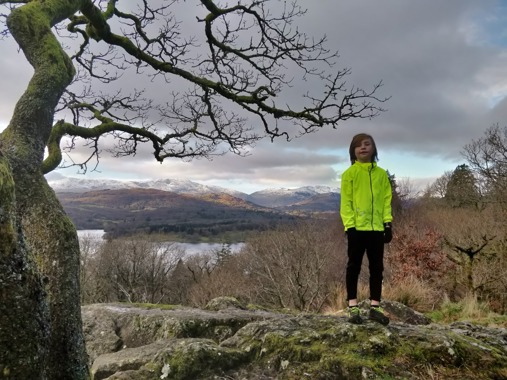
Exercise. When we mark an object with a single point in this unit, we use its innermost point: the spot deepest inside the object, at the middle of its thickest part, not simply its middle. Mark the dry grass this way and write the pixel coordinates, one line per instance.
(339, 298)
(413, 293)
(468, 309)
(425, 299)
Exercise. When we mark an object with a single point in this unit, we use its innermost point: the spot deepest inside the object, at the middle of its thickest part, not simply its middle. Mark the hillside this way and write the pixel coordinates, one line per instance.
(319, 203)
(129, 211)
(185, 209)
(280, 198)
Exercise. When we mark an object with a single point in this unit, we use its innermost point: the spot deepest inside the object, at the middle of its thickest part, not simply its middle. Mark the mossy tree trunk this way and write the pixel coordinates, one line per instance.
(24, 324)
(40, 333)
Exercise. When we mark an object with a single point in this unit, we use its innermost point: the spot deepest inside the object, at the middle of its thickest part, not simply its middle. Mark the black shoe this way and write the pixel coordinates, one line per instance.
(355, 315)
(377, 314)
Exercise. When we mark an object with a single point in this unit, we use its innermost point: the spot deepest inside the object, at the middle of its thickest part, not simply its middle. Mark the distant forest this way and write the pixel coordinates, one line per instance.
(183, 217)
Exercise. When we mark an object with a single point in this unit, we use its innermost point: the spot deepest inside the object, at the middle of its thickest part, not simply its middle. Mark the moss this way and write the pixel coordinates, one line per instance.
(292, 348)
(7, 206)
(454, 353)
(6, 186)
(317, 347)
(197, 360)
(454, 313)
(472, 352)
(346, 350)
(332, 350)
(321, 352)
(31, 27)
(256, 307)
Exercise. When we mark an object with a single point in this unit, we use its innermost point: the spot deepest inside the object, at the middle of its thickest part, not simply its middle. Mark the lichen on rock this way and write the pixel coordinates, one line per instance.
(184, 344)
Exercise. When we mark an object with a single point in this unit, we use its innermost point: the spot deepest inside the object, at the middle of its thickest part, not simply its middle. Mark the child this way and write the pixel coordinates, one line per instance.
(366, 213)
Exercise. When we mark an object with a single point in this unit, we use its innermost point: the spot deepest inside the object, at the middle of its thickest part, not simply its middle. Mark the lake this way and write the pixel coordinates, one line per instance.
(189, 248)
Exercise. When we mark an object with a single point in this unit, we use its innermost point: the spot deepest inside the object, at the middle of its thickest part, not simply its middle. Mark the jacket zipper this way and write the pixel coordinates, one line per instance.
(371, 191)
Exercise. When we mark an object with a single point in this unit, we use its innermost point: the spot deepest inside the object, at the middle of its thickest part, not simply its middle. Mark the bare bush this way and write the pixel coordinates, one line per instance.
(416, 251)
(88, 246)
(219, 273)
(416, 265)
(294, 267)
(297, 266)
(438, 188)
(468, 236)
(132, 270)
(473, 238)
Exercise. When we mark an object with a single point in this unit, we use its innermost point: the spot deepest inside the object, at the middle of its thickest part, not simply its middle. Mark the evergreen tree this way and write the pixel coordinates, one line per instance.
(462, 189)
(397, 202)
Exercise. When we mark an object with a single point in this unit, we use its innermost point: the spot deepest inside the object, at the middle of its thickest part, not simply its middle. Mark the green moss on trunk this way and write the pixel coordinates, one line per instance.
(47, 246)
(24, 328)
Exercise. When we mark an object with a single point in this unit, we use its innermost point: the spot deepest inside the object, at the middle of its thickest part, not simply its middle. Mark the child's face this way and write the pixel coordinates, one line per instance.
(364, 151)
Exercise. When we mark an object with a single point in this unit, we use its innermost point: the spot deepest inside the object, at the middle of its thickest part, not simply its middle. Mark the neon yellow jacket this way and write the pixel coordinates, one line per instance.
(365, 197)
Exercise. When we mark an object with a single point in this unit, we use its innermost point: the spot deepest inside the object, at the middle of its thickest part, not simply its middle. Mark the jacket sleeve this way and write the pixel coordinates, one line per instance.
(388, 197)
(346, 204)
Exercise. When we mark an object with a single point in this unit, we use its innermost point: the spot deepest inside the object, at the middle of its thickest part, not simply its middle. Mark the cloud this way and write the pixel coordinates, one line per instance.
(265, 167)
(444, 64)
(16, 74)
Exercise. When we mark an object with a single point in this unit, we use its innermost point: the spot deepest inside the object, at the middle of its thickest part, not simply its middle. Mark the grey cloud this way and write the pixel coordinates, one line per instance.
(16, 74)
(436, 61)
(267, 164)
(423, 53)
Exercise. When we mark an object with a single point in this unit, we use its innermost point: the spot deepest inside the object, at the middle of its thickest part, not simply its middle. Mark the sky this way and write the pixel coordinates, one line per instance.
(442, 63)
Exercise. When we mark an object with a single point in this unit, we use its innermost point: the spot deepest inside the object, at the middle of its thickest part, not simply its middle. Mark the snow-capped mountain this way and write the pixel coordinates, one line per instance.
(287, 197)
(181, 186)
(273, 198)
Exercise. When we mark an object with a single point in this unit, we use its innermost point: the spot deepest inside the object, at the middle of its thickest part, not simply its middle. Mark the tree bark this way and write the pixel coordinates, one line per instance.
(40, 267)
(24, 314)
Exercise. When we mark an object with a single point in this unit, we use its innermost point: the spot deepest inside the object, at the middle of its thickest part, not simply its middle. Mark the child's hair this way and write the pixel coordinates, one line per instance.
(356, 141)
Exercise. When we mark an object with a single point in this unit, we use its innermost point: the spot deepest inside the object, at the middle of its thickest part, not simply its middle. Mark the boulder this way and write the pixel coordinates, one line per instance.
(109, 328)
(232, 342)
(397, 312)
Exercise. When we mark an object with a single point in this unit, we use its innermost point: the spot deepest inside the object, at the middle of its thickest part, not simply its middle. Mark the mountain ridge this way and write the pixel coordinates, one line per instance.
(272, 198)
(185, 208)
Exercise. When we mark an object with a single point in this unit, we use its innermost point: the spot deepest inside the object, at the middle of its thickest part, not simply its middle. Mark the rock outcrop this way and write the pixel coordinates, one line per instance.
(229, 341)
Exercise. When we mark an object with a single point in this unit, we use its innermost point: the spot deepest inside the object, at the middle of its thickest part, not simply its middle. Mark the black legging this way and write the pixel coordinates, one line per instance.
(373, 243)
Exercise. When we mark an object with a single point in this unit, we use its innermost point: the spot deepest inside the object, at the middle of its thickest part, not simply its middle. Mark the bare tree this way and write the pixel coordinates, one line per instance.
(438, 188)
(132, 270)
(470, 237)
(235, 77)
(218, 273)
(88, 247)
(296, 266)
(487, 156)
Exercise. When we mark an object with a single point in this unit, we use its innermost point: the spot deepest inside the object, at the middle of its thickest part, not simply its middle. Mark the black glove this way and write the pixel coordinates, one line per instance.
(388, 232)
(351, 232)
